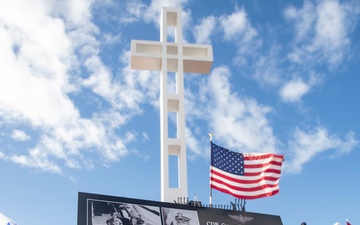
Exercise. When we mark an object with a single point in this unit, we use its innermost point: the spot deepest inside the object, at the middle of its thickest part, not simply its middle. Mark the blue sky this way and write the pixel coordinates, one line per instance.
(74, 116)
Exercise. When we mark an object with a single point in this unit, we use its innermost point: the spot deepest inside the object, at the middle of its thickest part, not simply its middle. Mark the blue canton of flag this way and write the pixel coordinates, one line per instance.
(226, 160)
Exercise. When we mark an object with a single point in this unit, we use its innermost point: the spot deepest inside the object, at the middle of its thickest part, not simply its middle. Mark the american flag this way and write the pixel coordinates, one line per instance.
(245, 175)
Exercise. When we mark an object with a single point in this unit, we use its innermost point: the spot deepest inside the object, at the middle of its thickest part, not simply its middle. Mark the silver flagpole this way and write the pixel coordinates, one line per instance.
(210, 197)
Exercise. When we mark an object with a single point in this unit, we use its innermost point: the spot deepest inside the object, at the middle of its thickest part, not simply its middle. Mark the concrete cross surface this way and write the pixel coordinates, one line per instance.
(172, 57)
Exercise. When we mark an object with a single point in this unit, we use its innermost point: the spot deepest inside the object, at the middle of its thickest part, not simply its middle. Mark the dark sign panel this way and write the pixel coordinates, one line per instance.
(94, 209)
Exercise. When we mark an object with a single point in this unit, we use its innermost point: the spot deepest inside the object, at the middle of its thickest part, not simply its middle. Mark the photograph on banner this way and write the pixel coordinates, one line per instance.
(119, 213)
(173, 216)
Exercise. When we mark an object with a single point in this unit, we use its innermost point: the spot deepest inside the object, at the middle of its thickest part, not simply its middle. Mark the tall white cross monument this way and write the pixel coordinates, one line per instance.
(172, 57)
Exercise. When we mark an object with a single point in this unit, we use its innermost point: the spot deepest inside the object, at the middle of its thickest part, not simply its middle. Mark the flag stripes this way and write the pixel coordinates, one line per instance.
(245, 175)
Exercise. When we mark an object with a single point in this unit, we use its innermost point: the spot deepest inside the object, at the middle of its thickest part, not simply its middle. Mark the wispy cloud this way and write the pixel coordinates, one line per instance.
(304, 19)
(242, 124)
(305, 145)
(266, 68)
(204, 29)
(134, 11)
(322, 31)
(239, 122)
(236, 26)
(44, 49)
(51, 54)
(19, 135)
(293, 90)
(238, 29)
(39, 80)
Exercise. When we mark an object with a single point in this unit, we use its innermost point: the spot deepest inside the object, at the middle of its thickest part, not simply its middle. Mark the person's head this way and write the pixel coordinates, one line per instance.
(303, 223)
(114, 214)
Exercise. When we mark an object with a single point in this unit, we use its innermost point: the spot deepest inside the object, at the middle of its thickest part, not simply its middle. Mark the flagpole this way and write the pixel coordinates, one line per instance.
(210, 197)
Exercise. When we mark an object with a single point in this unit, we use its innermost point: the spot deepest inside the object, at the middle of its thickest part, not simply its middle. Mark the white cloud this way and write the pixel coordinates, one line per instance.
(237, 26)
(34, 68)
(77, 14)
(322, 31)
(204, 29)
(267, 70)
(239, 31)
(304, 19)
(234, 25)
(145, 136)
(331, 30)
(36, 159)
(42, 49)
(330, 26)
(240, 122)
(145, 81)
(110, 39)
(135, 10)
(20, 135)
(193, 144)
(293, 90)
(101, 82)
(43, 78)
(2, 155)
(305, 145)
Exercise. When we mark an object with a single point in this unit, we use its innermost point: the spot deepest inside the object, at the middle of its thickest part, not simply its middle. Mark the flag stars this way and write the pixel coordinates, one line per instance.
(231, 162)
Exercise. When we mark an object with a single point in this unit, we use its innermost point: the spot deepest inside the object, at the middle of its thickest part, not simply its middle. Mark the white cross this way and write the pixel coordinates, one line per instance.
(170, 57)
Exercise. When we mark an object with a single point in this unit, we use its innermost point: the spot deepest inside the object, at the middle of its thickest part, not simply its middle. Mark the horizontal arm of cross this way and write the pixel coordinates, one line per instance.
(148, 55)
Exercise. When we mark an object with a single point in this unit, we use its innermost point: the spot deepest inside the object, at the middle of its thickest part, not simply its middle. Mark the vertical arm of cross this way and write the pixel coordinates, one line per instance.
(176, 147)
(175, 57)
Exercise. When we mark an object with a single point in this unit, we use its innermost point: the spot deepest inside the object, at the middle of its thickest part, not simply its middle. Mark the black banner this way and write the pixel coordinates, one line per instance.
(94, 209)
